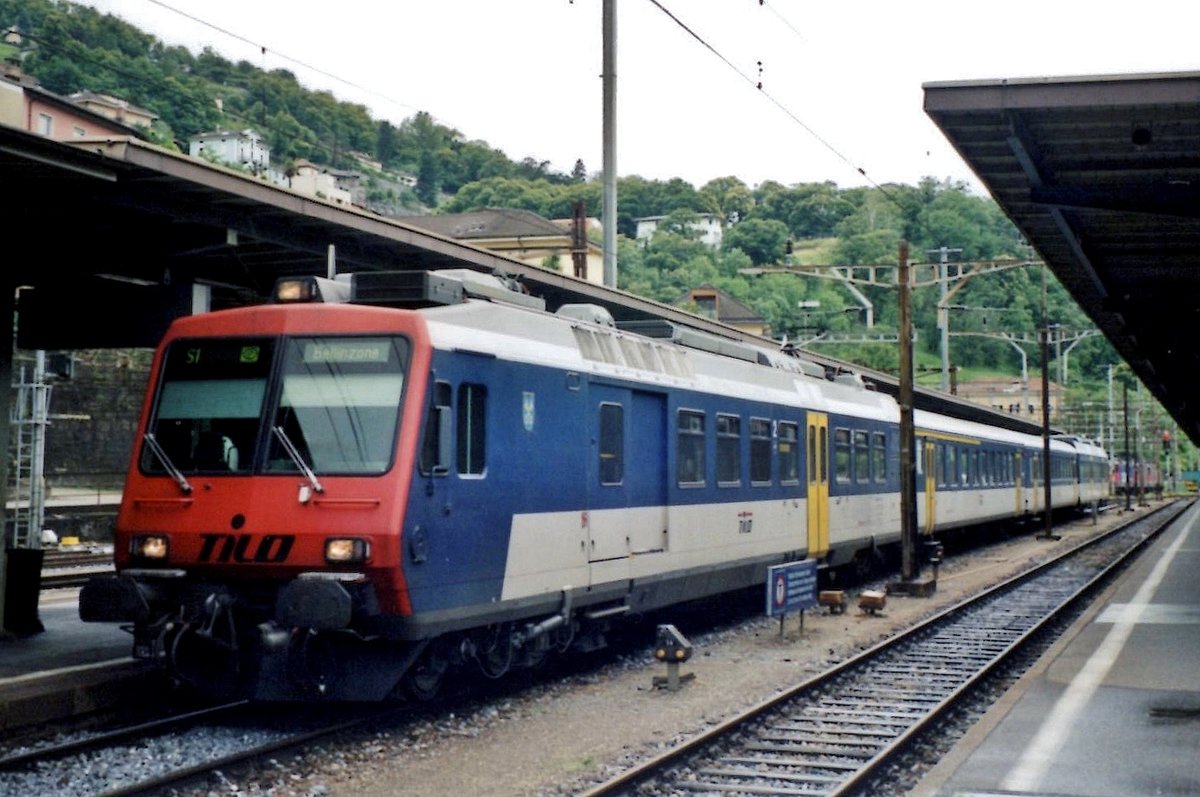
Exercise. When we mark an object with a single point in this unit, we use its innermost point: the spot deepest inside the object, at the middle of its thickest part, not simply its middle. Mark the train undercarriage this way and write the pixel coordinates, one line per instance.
(227, 644)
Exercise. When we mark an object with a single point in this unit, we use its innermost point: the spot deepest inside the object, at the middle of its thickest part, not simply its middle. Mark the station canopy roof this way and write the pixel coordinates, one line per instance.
(1102, 176)
(115, 234)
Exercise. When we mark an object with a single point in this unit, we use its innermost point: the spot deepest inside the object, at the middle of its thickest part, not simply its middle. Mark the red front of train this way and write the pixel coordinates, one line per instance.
(259, 537)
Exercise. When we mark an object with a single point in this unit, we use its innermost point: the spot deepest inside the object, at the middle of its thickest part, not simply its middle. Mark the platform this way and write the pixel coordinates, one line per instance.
(1113, 708)
(72, 666)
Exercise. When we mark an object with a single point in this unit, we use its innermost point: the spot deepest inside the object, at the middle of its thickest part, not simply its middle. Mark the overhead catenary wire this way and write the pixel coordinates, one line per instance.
(757, 86)
(263, 49)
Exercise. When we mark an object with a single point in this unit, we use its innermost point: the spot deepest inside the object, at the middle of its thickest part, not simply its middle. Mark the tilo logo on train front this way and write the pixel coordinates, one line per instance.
(269, 549)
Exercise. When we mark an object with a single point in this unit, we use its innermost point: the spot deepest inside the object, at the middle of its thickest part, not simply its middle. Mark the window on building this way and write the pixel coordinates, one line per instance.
(44, 125)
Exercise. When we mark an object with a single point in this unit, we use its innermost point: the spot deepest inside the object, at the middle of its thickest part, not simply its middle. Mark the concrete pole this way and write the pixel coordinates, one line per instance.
(1128, 459)
(944, 315)
(908, 481)
(1048, 533)
(609, 78)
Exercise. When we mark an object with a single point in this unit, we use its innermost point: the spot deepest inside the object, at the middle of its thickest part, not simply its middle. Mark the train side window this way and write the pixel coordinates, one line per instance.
(472, 429)
(823, 454)
(879, 456)
(862, 457)
(760, 451)
(789, 453)
(612, 444)
(841, 455)
(689, 449)
(729, 450)
(951, 465)
(436, 447)
(939, 458)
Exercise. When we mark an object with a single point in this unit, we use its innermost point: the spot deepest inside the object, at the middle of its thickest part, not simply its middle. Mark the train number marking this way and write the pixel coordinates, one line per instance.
(745, 522)
(271, 548)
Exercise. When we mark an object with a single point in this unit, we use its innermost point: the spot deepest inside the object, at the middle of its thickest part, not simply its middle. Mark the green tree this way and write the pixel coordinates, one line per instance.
(764, 240)
(727, 198)
(429, 178)
(385, 143)
(579, 172)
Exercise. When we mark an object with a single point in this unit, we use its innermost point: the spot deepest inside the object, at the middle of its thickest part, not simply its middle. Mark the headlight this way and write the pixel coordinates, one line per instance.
(150, 546)
(347, 549)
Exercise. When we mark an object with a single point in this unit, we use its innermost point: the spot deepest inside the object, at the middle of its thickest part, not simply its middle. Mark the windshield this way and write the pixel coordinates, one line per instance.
(336, 399)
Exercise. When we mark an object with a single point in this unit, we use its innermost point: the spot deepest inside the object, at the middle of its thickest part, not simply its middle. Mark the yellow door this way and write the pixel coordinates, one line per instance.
(1019, 477)
(930, 454)
(817, 446)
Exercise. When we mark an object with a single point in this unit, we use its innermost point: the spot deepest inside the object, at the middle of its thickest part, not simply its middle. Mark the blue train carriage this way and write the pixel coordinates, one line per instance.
(1091, 471)
(609, 471)
(970, 473)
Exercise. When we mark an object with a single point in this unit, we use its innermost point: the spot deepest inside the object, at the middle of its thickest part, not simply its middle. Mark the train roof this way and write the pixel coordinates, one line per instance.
(469, 311)
(588, 346)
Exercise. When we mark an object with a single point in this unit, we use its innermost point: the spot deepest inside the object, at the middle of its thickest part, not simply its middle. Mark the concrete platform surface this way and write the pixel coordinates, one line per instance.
(69, 668)
(1113, 709)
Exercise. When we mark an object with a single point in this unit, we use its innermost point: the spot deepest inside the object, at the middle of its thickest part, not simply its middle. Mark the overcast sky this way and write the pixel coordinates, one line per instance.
(841, 80)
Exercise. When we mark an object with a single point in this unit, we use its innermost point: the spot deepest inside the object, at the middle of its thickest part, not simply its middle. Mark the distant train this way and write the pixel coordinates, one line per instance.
(1144, 477)
(335, 498)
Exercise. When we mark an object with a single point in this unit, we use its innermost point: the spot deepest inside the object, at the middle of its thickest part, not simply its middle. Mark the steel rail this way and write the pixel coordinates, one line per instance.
(839, 786)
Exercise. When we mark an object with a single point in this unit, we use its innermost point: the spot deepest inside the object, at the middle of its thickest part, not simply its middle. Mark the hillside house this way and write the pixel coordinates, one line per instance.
(520, 234)
(308, 178)
(1010, 395)
(710, 302)
(244, 149)
(115, 108)
(26, 105)
(707, 226)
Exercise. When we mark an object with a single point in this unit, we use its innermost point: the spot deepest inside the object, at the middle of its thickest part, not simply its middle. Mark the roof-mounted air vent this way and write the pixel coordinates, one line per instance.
(446, 286)
(849, 378)
(691, 338)
(592, 313)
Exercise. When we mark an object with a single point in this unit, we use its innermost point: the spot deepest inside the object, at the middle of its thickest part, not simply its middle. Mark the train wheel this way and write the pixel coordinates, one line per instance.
(425, 680)
(867, 564)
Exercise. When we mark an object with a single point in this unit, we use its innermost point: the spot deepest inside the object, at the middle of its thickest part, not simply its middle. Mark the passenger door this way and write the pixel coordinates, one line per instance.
(627, 488)
(817, 461)
(1018, 484)
(929, 452)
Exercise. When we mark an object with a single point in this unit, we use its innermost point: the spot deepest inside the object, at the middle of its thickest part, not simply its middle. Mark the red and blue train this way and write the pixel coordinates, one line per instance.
(335, 497)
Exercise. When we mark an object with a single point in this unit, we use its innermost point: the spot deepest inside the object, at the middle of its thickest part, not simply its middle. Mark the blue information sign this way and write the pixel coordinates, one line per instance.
(791, 587)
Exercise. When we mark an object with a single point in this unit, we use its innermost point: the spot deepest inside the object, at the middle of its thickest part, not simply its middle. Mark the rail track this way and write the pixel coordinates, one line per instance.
(149, 756)
(832, 735)
(72, 568)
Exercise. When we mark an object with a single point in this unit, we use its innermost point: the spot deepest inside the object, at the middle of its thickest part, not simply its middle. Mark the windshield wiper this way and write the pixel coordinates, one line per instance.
(294, 453)
(167, 464)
